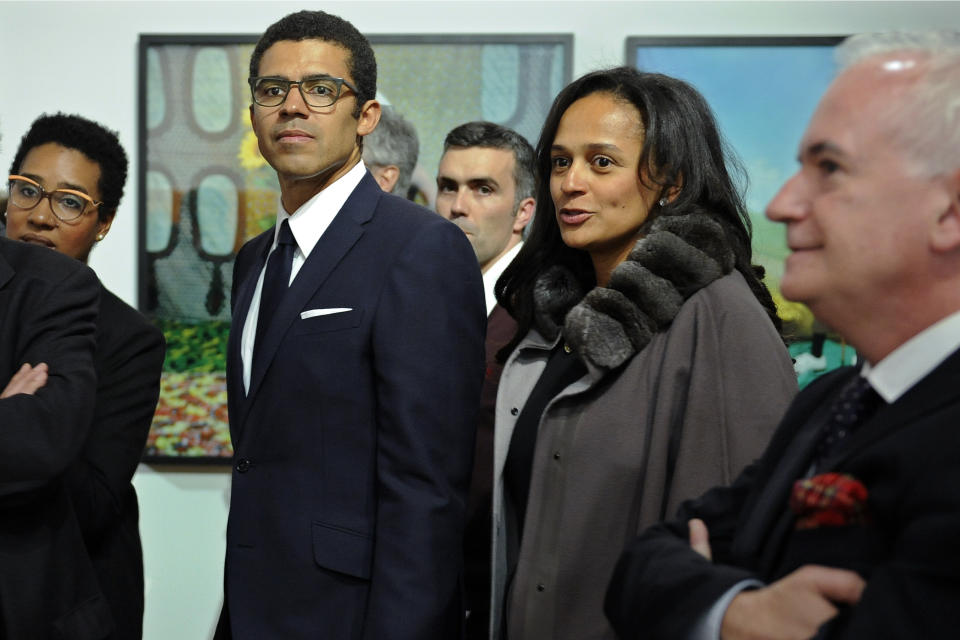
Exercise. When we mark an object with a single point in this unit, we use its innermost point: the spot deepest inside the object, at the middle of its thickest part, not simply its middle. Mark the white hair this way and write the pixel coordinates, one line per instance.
(928, 116)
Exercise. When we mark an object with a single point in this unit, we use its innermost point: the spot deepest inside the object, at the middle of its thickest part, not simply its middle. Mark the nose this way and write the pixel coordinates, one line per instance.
(293, 101)
(42, 217)
(792, 201)
(572, 180)
(459, 207)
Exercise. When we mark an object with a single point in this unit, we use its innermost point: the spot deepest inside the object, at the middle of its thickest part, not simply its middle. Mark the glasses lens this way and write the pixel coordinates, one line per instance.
(320, 92)
(24, 195)
(68, 206)
(270, 92)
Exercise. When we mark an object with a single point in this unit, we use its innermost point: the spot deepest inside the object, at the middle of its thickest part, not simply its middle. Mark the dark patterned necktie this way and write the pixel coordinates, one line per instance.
(276, 281)
(856, 402)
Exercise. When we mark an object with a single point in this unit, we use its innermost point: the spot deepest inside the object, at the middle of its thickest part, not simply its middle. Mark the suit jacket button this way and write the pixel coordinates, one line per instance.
(540, 587)
(514, 411)
(243, 465)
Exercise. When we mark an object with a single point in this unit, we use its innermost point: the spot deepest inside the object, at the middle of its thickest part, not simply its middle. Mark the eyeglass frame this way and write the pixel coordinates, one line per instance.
(253, 80)
(49, 196)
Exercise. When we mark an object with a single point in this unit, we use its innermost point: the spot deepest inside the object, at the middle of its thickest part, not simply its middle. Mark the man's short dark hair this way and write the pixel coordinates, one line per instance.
(90, 138)
(393, 142)
(490, 135)
(319, 25)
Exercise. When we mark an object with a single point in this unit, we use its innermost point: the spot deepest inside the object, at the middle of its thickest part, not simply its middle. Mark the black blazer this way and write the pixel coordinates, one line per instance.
(353, 448)
(907, 456)
(128, 361)
(48, 310)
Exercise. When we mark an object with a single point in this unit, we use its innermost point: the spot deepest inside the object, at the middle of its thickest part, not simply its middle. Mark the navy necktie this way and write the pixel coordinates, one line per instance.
(276, 281)
(856, 402)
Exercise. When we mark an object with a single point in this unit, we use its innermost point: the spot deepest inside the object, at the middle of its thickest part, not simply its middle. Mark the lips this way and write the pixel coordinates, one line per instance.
(34, 238)
(574, 216)
(293, 135)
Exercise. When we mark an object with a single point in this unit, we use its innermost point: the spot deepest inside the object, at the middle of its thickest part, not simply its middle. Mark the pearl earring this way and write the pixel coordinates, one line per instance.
(99, 237)
(662, 202)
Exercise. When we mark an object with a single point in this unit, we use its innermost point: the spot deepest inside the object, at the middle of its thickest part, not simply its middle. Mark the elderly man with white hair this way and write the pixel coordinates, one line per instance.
(847, 527)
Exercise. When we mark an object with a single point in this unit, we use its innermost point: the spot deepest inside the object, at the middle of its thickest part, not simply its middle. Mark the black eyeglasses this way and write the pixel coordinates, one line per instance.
(66, 204)
(317, 91)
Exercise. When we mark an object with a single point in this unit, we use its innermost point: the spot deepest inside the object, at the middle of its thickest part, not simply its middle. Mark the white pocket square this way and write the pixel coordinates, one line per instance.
(313, 313)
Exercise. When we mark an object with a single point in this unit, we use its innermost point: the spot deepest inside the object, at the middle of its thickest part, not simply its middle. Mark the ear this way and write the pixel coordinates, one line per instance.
(369, 117)
(386, 176)
(253, 122)
(103, 226)
(945, 232)
(524, 214)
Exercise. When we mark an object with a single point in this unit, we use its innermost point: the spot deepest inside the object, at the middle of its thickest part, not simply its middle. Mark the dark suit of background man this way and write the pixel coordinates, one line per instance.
(485, 185)
(353, 413)
(873, 222)
(48, 310)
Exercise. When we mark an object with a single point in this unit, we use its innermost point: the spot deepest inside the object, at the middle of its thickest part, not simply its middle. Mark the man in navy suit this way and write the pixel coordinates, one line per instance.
(354, 371)
(847, 527)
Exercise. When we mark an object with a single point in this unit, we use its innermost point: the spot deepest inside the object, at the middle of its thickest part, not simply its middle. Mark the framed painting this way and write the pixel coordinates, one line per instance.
(204, 189)
(763, 91)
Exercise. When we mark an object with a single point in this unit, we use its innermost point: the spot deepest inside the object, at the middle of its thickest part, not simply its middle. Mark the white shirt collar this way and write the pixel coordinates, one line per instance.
(314, 216)
(493, 274)
(910, 363)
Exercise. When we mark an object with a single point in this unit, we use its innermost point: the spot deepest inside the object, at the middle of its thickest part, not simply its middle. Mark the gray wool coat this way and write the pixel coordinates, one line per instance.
(621, 448)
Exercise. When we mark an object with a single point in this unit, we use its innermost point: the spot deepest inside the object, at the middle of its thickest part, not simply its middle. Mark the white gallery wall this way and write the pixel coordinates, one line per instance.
(81, 57)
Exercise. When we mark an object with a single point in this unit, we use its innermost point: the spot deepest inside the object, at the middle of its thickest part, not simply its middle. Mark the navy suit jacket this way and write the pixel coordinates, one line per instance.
(354, 444)
(48, 310)
(908, 458)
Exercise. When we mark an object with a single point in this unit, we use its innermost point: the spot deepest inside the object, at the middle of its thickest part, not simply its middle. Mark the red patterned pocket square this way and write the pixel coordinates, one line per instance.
(829, 500)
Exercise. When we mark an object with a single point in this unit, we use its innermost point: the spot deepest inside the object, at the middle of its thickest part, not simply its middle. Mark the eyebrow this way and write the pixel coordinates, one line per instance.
(820, 148)
(593, 146)
(477, 180)
(60, 185)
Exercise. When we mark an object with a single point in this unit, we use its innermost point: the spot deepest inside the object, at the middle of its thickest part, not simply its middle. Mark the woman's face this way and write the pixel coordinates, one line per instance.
(56, 167)
(595, 184)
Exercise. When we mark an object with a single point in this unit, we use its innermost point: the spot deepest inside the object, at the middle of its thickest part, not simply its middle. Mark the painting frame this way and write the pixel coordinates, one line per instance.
(188, 163)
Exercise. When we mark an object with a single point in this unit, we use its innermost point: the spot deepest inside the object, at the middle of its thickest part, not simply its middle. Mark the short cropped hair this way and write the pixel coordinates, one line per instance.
(490, 135)
(90, 138)
(927, 118)
(319, 25)
(393, 142)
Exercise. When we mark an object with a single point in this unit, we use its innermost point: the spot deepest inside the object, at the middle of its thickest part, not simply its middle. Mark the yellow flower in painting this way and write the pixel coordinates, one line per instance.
(249, 154)
(794, 314)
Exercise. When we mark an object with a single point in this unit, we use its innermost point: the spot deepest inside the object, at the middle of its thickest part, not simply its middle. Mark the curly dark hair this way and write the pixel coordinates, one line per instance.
(90, 138)
(319, 25)
(687, 156)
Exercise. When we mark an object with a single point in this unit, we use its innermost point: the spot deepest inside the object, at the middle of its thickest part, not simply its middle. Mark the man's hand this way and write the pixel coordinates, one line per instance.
(700, 538)
(793, 607)
(27, 380)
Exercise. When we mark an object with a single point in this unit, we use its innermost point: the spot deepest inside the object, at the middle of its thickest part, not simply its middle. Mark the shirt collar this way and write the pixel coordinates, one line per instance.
(492, 274)
(910, 363)
(314, 216)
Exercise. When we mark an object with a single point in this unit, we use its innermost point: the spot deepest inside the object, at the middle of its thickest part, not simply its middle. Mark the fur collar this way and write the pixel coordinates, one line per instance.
(679, 255)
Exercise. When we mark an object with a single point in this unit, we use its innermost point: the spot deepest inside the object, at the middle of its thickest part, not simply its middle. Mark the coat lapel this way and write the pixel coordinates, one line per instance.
(236, 396)
(786, 461)
(939, 388)
(334, 244)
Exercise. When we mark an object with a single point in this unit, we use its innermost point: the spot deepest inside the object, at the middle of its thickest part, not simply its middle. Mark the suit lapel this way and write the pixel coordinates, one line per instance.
(236, 396)
(334, 244)
(937, 389)
(785, 462)
(6, 271)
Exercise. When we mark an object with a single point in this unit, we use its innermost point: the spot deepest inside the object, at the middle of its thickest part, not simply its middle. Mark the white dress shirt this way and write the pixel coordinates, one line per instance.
(493, 274)
(892, 377)
(307, 225)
